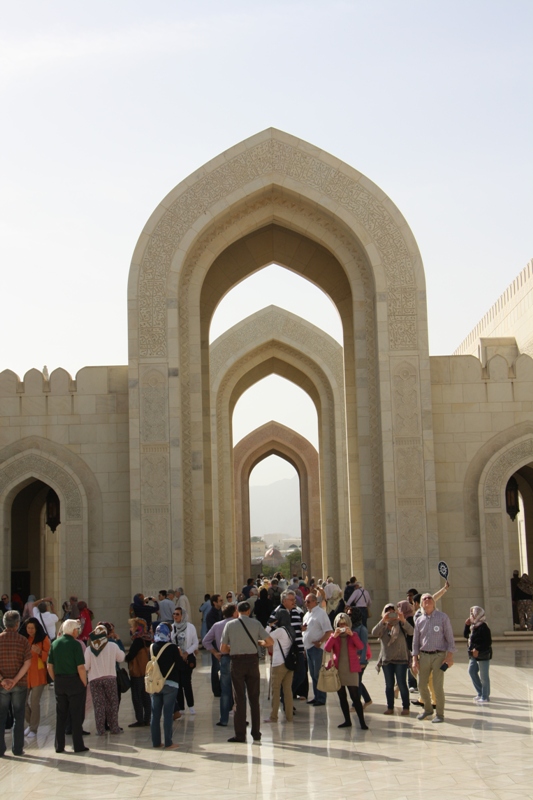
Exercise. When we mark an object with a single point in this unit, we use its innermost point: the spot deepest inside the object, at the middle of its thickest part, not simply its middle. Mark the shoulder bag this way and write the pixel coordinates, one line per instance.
(328, 677)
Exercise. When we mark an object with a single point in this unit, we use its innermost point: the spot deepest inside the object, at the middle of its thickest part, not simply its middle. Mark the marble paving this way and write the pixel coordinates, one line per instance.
(479, 752)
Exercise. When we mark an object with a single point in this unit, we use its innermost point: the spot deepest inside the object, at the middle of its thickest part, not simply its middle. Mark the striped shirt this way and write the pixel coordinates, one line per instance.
(296, 622)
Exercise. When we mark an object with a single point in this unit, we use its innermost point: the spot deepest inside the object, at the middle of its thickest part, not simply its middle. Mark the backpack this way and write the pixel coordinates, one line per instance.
(153, 679)
(290, 658)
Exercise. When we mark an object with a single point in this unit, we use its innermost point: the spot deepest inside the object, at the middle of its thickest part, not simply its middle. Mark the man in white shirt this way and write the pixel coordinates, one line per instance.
(316, 629)
(48, 619)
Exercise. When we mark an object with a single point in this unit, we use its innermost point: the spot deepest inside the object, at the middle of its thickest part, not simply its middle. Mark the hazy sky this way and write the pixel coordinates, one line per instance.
(108, 105)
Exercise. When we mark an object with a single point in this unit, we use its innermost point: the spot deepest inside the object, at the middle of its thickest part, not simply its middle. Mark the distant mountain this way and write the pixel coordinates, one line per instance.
(276, 508)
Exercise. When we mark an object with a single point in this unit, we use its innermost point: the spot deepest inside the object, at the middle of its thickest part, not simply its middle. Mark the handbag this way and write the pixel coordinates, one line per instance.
(123, 680)
(484, 655)
(328, 676)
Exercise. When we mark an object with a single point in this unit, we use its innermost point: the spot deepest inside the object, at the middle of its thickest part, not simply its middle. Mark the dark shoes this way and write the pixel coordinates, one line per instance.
(345, 725)
(136, 725)
(234, 739)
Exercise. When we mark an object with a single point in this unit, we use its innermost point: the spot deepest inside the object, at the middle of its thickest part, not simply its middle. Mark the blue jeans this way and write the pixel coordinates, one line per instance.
(314, 659)
(479, 673)
(226, 689)
(163, 701)
(17, 699)
(398, 671)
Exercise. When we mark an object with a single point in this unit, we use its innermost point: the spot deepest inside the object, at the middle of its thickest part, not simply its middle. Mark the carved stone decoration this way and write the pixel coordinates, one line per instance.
(401, 305)
(495, 555)
(154, 425)
(73, 538)
(43, 468)
(504, 466)
(414, 570)
(411, 529)
(265, 158)
(405, 399)
(154, 471)
(409, 470)
(155, 551)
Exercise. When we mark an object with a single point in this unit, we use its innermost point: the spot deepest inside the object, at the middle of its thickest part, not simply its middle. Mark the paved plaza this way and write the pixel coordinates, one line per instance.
(480, 752)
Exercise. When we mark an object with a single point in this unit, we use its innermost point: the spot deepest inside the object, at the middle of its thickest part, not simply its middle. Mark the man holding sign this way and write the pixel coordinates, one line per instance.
(433, 649)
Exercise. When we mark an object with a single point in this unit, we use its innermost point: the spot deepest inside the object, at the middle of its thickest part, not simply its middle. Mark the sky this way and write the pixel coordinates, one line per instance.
(107, 106)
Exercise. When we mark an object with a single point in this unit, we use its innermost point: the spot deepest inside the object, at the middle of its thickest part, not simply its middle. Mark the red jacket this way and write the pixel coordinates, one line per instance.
(354, 644)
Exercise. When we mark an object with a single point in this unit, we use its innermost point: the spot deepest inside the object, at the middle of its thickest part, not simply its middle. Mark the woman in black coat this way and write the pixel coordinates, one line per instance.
(480, 651)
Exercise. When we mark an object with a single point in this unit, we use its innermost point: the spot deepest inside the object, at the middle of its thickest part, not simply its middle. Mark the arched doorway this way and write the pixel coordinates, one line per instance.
(276, 199)
(276, 439)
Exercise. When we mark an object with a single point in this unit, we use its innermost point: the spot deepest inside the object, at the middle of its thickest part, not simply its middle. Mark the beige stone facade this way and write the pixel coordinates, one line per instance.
(414, 453)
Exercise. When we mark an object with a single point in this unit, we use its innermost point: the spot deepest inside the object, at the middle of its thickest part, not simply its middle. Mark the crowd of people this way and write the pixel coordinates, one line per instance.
(313, 633)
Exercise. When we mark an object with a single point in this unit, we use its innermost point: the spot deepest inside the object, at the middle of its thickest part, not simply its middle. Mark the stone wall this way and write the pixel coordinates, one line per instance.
(73, 435)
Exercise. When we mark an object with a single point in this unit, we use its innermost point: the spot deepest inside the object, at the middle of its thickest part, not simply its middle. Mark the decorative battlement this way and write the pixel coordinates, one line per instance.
(494, 321)
(89, 380)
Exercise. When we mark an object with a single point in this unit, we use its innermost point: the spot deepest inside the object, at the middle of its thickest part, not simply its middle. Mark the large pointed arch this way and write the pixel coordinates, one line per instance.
(272, 438)
(276, 198)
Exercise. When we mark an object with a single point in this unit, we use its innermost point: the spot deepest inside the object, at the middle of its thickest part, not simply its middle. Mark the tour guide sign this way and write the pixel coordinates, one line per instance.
(443, 569)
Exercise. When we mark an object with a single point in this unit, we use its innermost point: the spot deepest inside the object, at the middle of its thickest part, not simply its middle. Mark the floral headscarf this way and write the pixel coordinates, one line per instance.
(98, 639)
(139, 629)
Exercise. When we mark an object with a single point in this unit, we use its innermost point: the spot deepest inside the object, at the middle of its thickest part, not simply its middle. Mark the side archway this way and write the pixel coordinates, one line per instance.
(276, 439)
(493, 518)
(33, 459)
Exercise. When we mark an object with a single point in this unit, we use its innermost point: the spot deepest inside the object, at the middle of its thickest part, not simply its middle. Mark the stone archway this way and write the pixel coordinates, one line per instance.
(496, 569)
(37, 459)
(276, 439)
(275, 198)
(274, 340)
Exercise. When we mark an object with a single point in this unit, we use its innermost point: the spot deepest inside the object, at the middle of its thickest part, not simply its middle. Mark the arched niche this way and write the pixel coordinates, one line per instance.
(277, 199)
(37, 459)
(276, 439)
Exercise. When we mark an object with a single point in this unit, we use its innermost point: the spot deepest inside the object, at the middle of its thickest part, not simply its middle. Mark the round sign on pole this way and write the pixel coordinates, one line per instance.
(443, 569)
(304, 565)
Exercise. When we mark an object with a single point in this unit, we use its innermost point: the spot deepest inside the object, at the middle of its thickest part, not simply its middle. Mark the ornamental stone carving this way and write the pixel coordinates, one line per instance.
(43, 468)
(504, 466)
(153, 407)
(155, 551)
(405, 397)
(495, 559)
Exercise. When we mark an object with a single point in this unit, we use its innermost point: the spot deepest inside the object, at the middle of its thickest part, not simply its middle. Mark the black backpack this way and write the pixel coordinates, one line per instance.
(291, 658)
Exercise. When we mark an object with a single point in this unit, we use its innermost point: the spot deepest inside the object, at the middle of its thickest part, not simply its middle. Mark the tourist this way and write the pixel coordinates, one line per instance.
(166, 607)
(360, 598)
(101, 658)
(37, 679)
(212, 642)
(262, 608)
(183, 634)
(316, 629)
(204, 609)
(288, 602)
(480, 653)
(333, 594)
(240, 639)
(86, 621)
(283, 637)
(524, 602)
(66, 667)
(164, 701)
(144, 607)
(182, 601)
(392, 630)
(246, 589)
(433, 649)
(137, 658)
(344, 644)
(43, 610)
(15, 661)
(214, 615)
(364, 655)
(28, 607)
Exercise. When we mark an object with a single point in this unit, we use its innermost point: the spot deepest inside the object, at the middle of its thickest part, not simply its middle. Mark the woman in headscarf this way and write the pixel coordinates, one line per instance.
(361, 630)
(163, 702)
(262, 608)
(524, 602)
(85, 619)
(39, 642)
(137, 658)
(282, 632)
(393, 630)
(184, 636)
(231, 597)
(480, 652)
(345, 645)
(101, 658)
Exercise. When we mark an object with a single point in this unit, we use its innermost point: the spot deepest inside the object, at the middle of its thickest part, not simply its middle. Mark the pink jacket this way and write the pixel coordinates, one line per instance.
(354, 644)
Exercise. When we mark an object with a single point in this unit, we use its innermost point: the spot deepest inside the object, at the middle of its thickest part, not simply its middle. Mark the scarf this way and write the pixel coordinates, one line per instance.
(139, 629)
(179, 631)
(162, 633)
(98, 639)
(477, 618)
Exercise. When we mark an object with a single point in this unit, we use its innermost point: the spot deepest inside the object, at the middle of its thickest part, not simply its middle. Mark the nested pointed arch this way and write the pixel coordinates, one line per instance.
(275, 198)
(273, 438)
